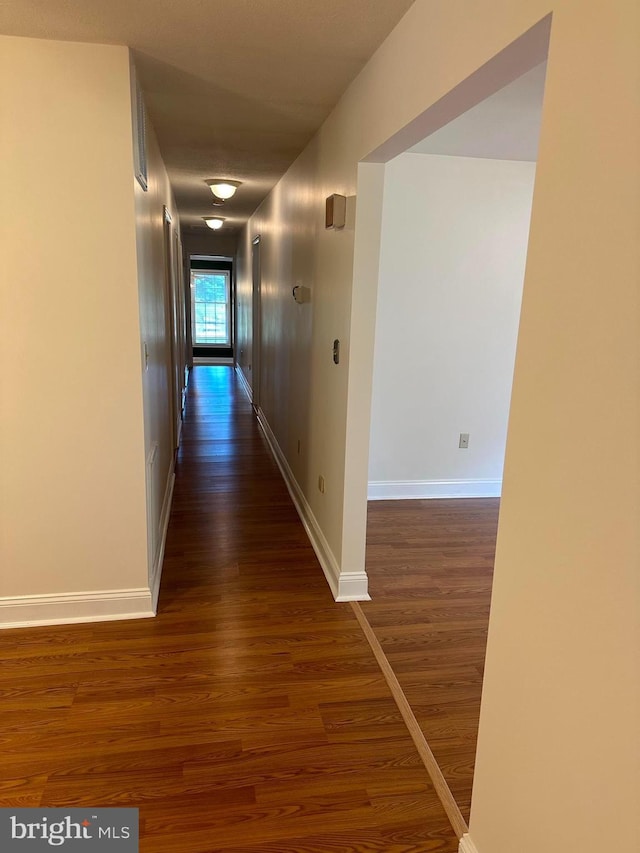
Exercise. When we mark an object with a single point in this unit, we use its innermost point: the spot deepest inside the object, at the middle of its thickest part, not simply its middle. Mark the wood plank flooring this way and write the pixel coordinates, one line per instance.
(430, 567)
(250, 715)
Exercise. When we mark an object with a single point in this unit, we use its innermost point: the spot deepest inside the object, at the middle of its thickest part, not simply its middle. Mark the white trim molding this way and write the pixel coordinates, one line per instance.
(345, 586)
(156, 572)
(26, 611)
(244, 383)
(398, 490)
(467, 845)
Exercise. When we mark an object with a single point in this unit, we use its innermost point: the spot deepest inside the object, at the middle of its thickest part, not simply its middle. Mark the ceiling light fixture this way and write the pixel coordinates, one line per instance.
(214, 222)
(222, 188)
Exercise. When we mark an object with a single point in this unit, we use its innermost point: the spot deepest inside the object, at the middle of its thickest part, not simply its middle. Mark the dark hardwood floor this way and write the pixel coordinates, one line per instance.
(430, 566)
(250, 715)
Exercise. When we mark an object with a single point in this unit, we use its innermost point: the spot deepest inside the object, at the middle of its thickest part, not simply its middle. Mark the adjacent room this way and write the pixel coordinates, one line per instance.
(455, 227)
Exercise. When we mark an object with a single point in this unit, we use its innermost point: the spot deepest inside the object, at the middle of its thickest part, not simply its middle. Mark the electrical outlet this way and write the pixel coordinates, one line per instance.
(321, 484)
(464, 440)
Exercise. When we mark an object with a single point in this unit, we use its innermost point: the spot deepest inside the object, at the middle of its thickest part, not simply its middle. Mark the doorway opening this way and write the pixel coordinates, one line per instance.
(455, 228)
(211, 309)
(453, 192)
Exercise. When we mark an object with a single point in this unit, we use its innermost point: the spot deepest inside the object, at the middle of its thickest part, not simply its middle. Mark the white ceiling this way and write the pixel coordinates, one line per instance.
(234, 88)
(505, 126)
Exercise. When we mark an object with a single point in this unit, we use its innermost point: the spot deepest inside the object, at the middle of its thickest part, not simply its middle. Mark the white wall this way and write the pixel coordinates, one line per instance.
(558, 744)
(454, 242)
(208, 242)
(73, 515)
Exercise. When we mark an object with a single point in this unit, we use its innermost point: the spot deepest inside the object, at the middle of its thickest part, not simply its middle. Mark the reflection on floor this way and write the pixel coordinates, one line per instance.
(250, 715)
(430, 566)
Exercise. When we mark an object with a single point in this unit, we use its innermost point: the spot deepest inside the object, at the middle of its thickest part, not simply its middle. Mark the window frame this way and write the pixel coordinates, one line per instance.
(213, 263)
(228, 342)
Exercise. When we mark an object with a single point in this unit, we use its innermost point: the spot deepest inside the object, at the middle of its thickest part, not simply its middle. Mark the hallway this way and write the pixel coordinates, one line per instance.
(250, 715)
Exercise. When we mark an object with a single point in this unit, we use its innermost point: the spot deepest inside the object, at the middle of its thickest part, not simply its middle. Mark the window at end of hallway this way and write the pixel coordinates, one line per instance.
(210, 307)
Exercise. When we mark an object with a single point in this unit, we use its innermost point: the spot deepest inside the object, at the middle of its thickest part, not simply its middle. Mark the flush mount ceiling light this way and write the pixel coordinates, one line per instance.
(214, 222)
(222, 188)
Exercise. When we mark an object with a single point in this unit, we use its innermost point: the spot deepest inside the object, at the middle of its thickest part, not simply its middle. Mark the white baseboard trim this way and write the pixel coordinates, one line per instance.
(397, 490)
(352, 586)
(244, 384)
(467, 845)
(156, 573)
(345, 586)
(205, 359)
(26, 611)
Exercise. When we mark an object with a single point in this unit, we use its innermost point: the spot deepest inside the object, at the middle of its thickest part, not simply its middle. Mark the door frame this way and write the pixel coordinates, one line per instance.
(256, 345)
